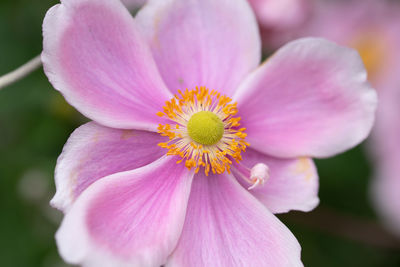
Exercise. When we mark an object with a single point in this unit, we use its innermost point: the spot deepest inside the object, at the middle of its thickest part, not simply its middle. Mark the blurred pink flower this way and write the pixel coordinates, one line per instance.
(372, 27)
(385, 148)
(126, 200)
(276, 18)
(279, 14)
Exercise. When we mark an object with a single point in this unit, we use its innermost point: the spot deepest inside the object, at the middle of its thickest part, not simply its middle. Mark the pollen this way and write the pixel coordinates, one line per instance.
(204, 131)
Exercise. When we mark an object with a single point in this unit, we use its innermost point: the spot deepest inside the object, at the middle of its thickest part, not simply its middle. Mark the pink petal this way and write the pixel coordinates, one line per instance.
(385, 192)
(310, 99)
(226, 226)
(94, 151)
(292, 184)
(131, 218)
(370, 26)
(385, 149)
(95, 56)
(278, 14)
(202, 42)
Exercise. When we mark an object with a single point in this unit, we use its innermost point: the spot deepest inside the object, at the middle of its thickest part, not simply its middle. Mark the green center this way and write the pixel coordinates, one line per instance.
(205, 128)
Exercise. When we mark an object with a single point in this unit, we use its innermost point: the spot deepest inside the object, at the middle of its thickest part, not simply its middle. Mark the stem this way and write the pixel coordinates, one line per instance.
(364, 231)
(20, 72)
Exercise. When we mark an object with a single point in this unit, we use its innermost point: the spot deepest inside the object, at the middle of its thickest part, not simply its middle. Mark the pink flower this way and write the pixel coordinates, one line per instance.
(126, 200)
(385, 148)
(372, 27)
(280, 14)
(277, 19)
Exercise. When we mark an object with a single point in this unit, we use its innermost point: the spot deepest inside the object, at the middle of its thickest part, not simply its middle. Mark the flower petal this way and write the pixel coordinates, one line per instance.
(226, 226)
(279, 14)
(95, 56)
(94, 151)
(385, 193)
(131, 218)
(310, 99)
(202, 42)
(292, 183)
(385, 151)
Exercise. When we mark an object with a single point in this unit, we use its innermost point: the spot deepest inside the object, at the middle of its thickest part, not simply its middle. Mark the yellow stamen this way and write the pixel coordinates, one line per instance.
(206, 134)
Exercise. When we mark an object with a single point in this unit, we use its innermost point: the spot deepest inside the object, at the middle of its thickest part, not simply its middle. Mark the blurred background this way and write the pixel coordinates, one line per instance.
(35, 122)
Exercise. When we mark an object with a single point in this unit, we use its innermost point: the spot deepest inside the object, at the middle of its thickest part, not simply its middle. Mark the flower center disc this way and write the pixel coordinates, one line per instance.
(372, 49)
(206, 133)
(205, 128)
